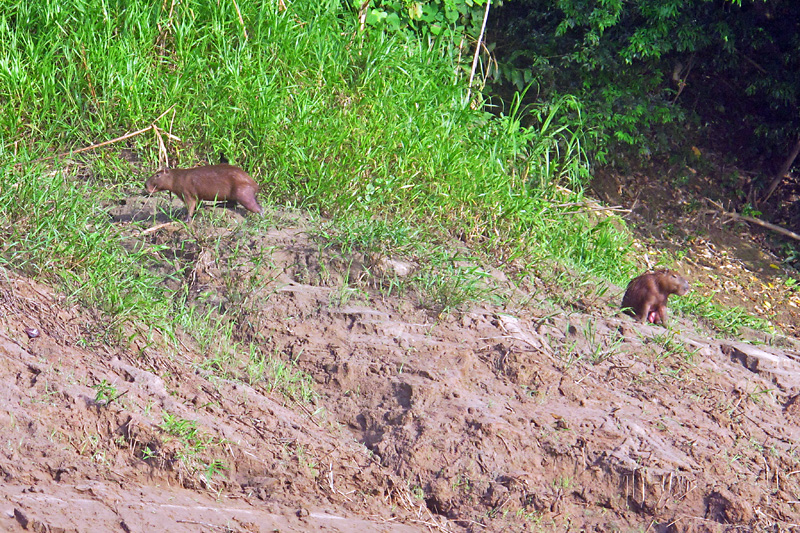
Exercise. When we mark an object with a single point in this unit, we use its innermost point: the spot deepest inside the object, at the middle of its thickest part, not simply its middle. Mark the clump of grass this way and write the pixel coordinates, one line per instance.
(444, 281)
(275, 374)
(671, 346)
(601, 348)
(105, 393)
(728, 321)
(390, 236)
(51, 228)
(193, 444)
(446, 286)
(186, 431)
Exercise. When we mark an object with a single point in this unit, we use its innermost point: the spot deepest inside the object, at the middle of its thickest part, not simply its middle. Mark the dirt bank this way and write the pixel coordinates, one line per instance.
(496, 418)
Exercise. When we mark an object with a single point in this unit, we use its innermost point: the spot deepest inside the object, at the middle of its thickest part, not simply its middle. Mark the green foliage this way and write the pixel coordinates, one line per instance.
(278, 375)
(633, 65)
(51, 227)
(105, 393)
(185, 430)
(193, 443)
(447, 287)
(450, 19)
(369, 235)
(727, 321)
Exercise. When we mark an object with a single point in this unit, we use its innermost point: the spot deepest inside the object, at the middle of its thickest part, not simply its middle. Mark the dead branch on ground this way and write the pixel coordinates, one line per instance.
(730, 215)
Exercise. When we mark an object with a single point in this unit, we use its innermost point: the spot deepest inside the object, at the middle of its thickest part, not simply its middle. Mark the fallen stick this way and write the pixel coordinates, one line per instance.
(241, 20)
(616, 208)
(477, 51)
(752, 220)
(104, 143)
(156, 228)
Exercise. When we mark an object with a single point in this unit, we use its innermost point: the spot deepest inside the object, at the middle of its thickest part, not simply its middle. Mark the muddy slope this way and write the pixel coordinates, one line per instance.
(495, 418)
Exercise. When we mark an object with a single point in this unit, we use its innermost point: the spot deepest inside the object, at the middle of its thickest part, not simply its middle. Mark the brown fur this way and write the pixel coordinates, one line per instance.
(216, 182)
(646, 295)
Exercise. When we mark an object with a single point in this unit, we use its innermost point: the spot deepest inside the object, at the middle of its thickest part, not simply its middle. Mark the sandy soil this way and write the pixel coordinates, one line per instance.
(496, 418)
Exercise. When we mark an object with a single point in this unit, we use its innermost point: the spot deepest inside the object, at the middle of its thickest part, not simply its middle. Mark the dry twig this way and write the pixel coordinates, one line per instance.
(736, 216)
(477, 51)
(156, 228)
(241, 20)
(112, 141)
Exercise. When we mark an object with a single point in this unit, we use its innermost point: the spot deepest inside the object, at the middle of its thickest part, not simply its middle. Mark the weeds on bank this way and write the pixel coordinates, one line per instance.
(367, 235)
(228, 358)
(193, 444)
(444, 281)
(601, 347)
(569, 353)
(187, 433)
(672, 347)
(51, 228)
(727, 321)
(305, 458)
(276, 375)
(446, 287)
(105, 393)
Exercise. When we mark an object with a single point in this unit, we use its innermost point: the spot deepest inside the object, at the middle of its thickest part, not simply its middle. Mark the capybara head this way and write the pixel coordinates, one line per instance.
(676, 283)
(157, 182)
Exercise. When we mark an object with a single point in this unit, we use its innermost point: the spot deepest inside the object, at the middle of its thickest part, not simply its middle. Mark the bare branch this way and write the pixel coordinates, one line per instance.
(736, 216)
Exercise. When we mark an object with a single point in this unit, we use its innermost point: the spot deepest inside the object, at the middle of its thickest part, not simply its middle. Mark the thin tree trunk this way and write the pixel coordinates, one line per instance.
(477, 50)
(783, 171)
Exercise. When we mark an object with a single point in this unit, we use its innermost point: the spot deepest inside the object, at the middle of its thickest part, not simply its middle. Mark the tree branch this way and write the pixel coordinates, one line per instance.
(477, 51)
(736, 216)
(787, 164)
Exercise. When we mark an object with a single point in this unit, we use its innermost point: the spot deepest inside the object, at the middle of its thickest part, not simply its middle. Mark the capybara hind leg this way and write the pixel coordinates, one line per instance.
(661, 312)
(252, 206)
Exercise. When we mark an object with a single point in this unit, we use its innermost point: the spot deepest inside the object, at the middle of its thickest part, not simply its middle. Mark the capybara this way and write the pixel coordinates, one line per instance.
(646, 295)
(215, 182)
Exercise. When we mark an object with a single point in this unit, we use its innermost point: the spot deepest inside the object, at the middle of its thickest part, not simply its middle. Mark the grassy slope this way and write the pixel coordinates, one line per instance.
(357, 126)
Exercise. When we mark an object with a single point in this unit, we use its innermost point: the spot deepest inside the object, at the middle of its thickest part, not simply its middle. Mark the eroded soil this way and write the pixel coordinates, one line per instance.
(495, 418)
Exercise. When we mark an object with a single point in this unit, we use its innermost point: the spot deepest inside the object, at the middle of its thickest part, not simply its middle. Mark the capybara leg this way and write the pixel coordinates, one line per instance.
(191, 203)
(252, 206)
(662, 315)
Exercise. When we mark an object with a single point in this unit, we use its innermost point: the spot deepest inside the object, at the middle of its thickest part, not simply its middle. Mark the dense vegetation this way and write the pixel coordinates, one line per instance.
(646, 71)
(325, 113)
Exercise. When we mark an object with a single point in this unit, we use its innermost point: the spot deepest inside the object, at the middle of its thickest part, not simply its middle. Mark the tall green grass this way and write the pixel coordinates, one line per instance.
(52, 227)
(322, 114)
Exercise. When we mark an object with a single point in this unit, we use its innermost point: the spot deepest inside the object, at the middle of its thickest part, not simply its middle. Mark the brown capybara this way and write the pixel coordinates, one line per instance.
(646, 295)
(215, 182)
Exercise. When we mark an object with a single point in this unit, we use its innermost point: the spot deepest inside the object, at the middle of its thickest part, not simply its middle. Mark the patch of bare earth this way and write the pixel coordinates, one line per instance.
(491, 419)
